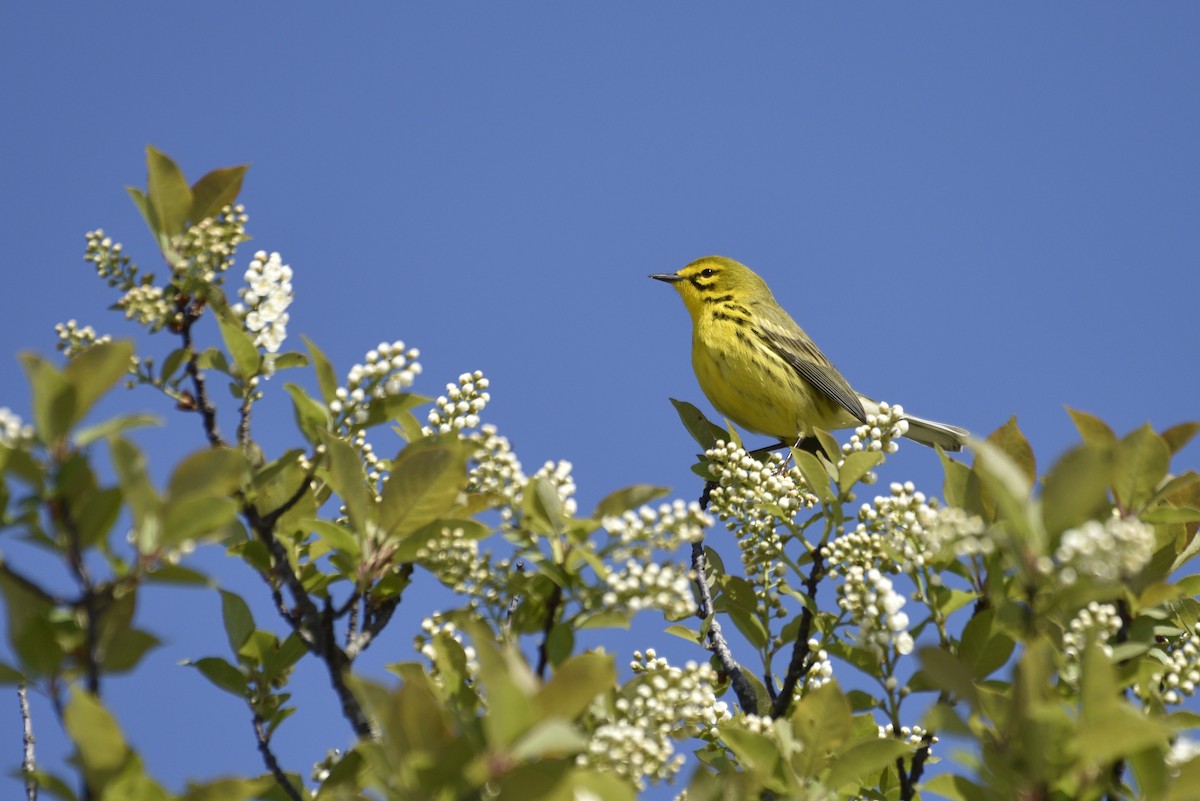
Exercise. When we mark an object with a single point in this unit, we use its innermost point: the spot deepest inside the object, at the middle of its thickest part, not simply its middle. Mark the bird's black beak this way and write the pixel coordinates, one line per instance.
(670, 278)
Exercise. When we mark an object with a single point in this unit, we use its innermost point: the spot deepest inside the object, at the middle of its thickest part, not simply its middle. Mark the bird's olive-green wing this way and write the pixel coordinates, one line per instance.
(814, 367)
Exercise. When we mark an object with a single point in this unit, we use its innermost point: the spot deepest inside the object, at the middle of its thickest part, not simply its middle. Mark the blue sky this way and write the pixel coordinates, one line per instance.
(975, 210)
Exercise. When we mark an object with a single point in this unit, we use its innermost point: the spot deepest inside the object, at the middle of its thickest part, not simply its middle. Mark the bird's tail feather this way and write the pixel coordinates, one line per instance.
(932, 433)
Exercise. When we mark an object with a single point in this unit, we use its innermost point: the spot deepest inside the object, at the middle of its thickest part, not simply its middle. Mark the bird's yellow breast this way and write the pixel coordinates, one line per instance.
(753, 386)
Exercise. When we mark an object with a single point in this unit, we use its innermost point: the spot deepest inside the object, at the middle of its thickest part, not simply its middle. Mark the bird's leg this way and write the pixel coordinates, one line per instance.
(775, 447)
(812, 445)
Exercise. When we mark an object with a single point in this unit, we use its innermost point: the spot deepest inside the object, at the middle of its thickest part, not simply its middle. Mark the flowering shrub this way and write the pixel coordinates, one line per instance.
(1043, 621)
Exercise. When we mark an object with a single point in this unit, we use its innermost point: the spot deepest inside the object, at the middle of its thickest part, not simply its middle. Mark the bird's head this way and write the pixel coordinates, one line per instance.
(715, 279)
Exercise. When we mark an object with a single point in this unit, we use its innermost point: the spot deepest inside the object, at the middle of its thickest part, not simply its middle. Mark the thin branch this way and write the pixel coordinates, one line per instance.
(315, 627)
(716, 640)
(243, 430)
(206, 408)
(376, 616)
(264, 748)
(61, 514)
(551, 613)
(800, 651)
(28, 756)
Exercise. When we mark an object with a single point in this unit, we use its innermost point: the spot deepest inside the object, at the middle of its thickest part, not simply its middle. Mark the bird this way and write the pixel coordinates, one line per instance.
(759, 368)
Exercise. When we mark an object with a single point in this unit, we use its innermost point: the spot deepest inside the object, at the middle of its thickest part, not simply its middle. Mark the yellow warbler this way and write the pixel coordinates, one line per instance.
(760, 369)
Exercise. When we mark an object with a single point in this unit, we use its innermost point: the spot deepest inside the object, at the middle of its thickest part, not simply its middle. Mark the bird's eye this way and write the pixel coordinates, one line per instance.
(707, 272)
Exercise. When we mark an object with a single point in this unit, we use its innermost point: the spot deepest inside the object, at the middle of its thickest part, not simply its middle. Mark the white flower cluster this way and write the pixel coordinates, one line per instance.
(870, 599)
(206, 249)
(497, 470)
(559, 474)
(1096, 623)
(389, 370)
(1115, 549)
(640, 585)
(820, 668)
(642, 531)
(913, 735)
(1181, 676)
(914, 531)
(111, 262)
(757, 724)
(265, 300)
(757, 500)
(957, 533)
(1183, 750)
(454, 558)
(73, 340)
(880, 432)
(13, 431)
(434, 626)
(324, 769)
(862, 548)
(661, 703)
(147, 305)
(459, 408)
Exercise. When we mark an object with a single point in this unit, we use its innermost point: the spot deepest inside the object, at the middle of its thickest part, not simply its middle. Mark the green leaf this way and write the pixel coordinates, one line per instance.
(823, 722)
(621, 501)
(755, 752)
(334, 536)
(143, 205)
(543, 508)
(348, 480)
(703, 430)
(508, 684)
(1177, 436)
(209, 473)
(326, 378)
(222, 674)
(115, 425)
(1009, 439)
(124, 650)
(241, 347)
(863, 761)
(95, 371)
(815, 474)
(10, 675)
(169, 194)
(551, 738)
(53, 398)
(239, 623)
(215, 191)
(1183, 788)
(948, 672)
(235, 789)
(130, 467)
(1076, 489)
(95, 732)
(1007, 485)
(560, 642)
(394, 408)
(958, 788)
(573, 686)
(1171, 514)
(1143, 459)
(96, 516)
(426, 480)
(194, 518)
(855, 466)
(1092, 429)
(311, 417)
(29, 628)
(737, 599)
(683, 632)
